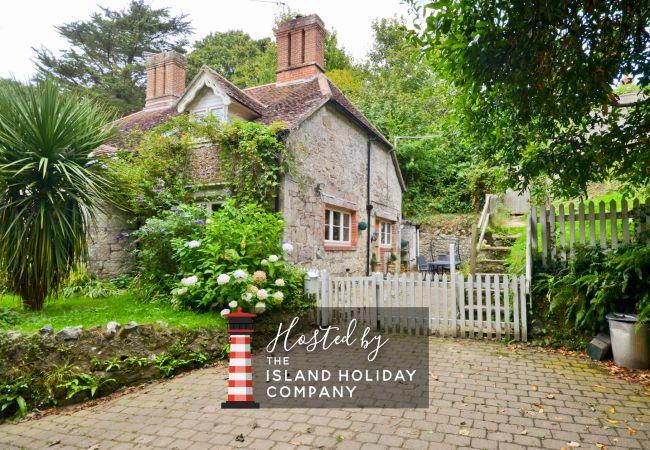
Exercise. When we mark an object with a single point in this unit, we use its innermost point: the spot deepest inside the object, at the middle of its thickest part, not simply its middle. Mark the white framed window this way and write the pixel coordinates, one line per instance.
(216, 111)
(385, 233)
(337, 226)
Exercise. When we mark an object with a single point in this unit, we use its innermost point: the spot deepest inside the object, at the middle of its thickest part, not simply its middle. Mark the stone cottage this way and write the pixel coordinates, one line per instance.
(348, 204)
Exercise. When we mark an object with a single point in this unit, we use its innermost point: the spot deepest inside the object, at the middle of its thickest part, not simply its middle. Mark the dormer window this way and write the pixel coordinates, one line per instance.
(217, 111)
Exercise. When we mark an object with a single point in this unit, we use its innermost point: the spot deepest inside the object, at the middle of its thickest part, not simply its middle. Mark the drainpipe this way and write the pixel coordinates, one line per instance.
(368, 208)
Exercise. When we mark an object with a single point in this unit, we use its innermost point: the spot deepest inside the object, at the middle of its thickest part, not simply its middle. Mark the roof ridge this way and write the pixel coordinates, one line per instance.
(225, 80)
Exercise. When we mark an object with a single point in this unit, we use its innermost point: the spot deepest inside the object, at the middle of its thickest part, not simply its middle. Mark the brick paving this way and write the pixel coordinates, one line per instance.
(483, 395)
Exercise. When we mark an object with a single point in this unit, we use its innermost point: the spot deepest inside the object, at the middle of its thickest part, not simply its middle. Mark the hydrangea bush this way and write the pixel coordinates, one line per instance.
(237, 260)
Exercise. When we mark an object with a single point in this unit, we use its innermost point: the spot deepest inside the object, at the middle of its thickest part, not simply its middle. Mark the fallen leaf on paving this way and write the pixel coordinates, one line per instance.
(240, 438)
(601, 446)
(551, 396)
(573, 444)
(631, 430)
(435, 377)
(463, 432)
(533, 387)
(296, 443)
(524, 432)
(611, 421)
(612, 410)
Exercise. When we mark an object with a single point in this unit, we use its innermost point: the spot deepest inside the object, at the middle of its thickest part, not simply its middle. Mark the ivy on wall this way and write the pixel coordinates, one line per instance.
(154, 169)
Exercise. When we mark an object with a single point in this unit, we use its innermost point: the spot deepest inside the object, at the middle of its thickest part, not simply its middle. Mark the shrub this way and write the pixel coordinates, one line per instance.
(237, 261)
(157, 265)
(79, 283)
(596, 283)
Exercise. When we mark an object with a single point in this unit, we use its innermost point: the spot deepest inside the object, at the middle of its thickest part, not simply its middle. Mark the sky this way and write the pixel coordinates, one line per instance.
(30, 23)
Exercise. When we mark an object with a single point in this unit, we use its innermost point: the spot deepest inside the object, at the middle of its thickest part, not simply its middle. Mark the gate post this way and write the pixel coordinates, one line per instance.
(323, 308)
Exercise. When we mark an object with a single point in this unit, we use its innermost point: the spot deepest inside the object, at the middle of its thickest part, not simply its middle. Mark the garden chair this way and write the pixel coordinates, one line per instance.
(423, 265)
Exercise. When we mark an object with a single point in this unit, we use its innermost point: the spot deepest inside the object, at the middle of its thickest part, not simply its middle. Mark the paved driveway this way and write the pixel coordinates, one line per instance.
(483, 395)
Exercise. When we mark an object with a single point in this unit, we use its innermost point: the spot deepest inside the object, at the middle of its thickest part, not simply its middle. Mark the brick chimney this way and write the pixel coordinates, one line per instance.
(301, 48)
(165, 79)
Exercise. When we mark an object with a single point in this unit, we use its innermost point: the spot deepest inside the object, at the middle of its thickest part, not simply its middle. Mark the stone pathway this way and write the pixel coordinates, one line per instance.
(483, 395)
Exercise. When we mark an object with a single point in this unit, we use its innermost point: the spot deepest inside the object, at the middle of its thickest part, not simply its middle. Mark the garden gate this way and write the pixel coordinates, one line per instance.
(483, 306)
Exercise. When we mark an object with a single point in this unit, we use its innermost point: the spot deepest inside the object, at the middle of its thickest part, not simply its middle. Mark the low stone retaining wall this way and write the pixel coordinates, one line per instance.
(49, 368)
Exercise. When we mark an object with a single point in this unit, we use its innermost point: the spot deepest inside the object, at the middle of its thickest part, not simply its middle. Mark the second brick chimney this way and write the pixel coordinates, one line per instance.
(301, 48)
(165, 79)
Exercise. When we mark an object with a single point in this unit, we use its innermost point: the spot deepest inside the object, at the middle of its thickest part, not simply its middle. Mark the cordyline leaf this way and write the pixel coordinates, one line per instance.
(49, 184)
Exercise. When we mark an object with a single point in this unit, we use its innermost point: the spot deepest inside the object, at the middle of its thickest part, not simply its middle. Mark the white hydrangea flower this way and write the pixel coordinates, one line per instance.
(223, 279)
(279, 282)
(279, 296)
(239, 274)
(273, 258)
(190, 281)
(233, 304)
(262, 294)
(181, 291)
(193, 244)
(288, 248)
(224, 312)
(264, 262)
(248, 296)
(260, 307)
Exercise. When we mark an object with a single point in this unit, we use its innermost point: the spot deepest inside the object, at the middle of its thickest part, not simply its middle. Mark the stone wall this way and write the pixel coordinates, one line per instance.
(332, 166)
(444, 232)
(109, 244)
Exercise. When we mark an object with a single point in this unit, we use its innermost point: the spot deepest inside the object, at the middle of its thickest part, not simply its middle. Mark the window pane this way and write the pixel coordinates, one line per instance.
(337, 218)
(336, 235)
(346, 220)
(346, 234)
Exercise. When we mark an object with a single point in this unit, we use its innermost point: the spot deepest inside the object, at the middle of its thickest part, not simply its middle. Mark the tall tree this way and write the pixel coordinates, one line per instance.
(538, 82)
(49, 184)
(105, 58)
(401, 95)
(236, 56)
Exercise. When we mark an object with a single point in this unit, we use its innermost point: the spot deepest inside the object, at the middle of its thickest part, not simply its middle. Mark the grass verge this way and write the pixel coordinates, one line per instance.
(122, 308)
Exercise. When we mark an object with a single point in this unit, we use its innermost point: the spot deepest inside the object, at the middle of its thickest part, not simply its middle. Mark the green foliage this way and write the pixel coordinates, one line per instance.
(235, 55)
(596, 283)
(105, 58)
(109, 365)
(248, 62)
(536, 85)
(402, 96)
(237, 257)
(152, 168)
(253, 159)
(49, 185)
(79, 283)
(12, 398)
(157, 265)
(83, 382)
(8, 317)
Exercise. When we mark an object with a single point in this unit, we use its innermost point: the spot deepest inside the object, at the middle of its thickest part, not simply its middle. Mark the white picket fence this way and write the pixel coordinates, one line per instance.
(553, 234)
(484, 306)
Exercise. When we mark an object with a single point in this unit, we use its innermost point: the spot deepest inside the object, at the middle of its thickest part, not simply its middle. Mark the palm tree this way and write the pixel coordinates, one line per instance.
(49, 185)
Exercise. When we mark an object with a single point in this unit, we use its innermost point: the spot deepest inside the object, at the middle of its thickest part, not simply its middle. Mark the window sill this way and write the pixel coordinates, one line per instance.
(339, 247)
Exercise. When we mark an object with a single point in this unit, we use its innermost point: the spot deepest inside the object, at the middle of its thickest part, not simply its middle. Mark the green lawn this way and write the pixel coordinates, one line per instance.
(90, 312)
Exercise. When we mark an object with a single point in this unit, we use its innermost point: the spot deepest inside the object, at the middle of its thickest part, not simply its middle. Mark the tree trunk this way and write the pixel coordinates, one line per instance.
(34, 304)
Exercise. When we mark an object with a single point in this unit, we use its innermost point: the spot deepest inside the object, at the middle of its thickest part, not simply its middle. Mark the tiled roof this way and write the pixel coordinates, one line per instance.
(291, 103)
(142, 120)
(294, 102)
